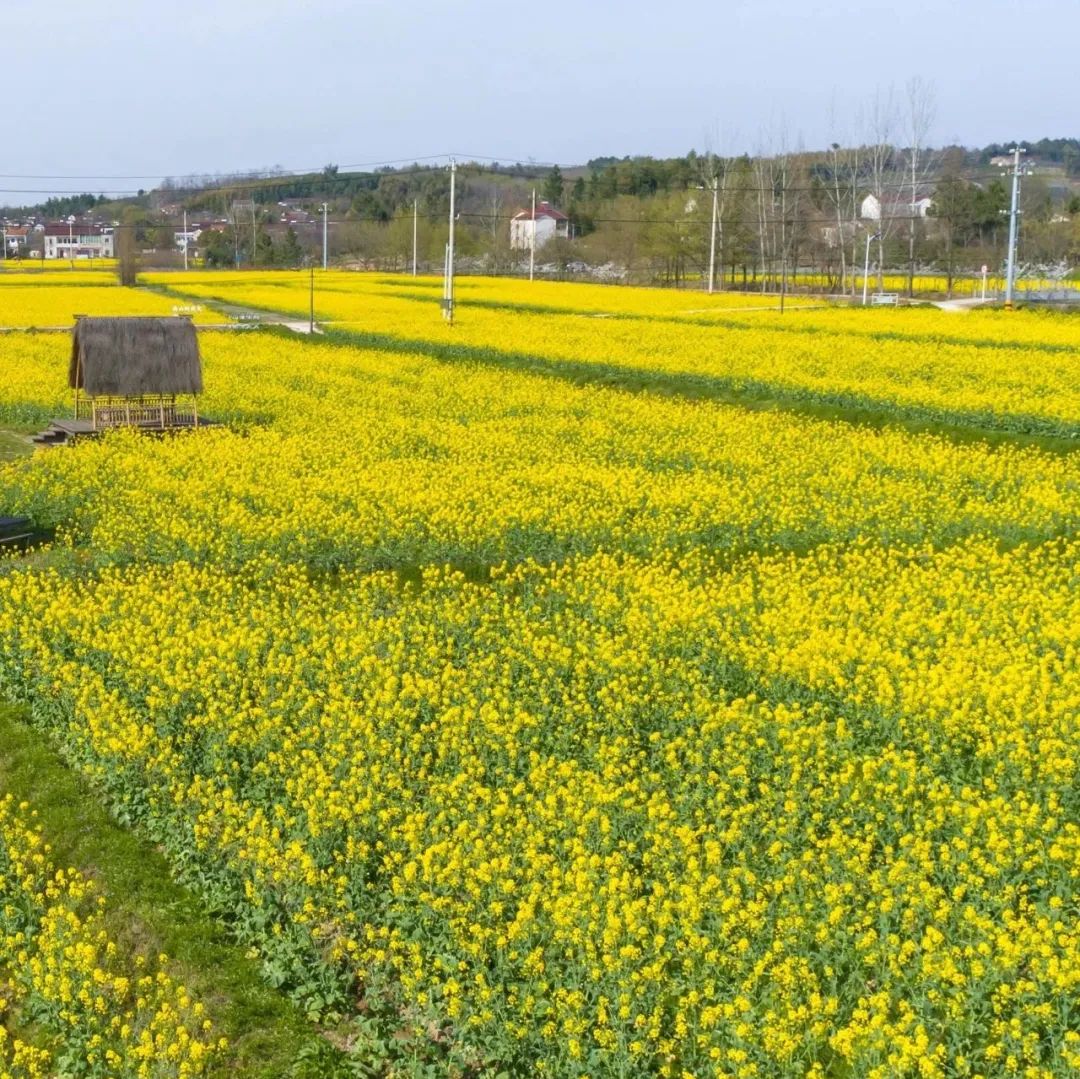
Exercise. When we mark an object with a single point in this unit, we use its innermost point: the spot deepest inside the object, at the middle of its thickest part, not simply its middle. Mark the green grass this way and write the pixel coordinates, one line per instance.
(148, 912)
(14, 444)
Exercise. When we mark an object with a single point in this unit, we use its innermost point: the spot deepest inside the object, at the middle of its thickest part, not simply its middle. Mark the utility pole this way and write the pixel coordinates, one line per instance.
(712, 236)
(532, 238)
(325, 216)
(415, 214)
(448, 278)
(311, 295)
(185, 240)
(254, 236)
(1010, 273)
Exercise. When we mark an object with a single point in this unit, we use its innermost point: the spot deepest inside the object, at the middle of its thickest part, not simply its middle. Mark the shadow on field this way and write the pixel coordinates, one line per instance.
(955, 425)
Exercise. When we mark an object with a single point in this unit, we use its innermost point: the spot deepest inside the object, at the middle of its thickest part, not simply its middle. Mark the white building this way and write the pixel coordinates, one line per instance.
(903, 207)
(547, 224)
(78, 240)
(187, 241)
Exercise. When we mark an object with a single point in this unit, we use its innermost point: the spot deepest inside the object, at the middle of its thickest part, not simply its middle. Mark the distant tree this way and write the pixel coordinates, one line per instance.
(879, 123)
(953, 207)
(265, 253)
(559, 253)
(291, 253)
(493, 224)
(604, 183)
(553, 186)
(920, 109)
(369, 206)
(72, 204)
(127, 254)
(840, 190)
(578, 210)
(967, 214)
(218, 248)
(163, 238)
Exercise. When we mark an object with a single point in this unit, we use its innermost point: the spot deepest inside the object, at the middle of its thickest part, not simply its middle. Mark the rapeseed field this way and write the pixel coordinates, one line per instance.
(677, 692)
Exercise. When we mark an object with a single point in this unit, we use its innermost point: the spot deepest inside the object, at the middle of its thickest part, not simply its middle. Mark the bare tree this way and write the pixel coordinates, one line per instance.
(763, 175)
(765, 167)
(717, 172)
(781, 197)
(856, 160)
(880, 156)
(795, 208)
(842, 193)
(920, 109)
(494, 225)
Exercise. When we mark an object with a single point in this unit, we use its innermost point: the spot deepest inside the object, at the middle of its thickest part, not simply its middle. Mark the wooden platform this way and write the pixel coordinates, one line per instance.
(61, 431)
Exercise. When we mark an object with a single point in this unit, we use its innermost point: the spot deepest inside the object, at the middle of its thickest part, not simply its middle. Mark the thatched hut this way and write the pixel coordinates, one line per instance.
(131, 371)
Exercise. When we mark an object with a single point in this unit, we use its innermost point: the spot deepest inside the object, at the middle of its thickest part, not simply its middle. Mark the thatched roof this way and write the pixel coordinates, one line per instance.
(129, 357)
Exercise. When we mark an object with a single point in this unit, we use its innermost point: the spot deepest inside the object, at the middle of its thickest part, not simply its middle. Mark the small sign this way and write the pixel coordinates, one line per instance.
(985, 269)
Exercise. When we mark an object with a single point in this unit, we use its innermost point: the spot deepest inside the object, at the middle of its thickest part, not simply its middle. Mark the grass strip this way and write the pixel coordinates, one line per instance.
(14, 444)
(149, 913)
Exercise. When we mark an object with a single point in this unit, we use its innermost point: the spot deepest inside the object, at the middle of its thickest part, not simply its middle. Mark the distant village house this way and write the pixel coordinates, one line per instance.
(904, 207)
(15, 240)
(187, 240)
(78, 241)
(548, 223)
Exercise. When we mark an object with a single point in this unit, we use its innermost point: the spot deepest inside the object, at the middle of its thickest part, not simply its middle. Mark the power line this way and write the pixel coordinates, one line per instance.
(243, 177)
(258, 175)
(246, 174)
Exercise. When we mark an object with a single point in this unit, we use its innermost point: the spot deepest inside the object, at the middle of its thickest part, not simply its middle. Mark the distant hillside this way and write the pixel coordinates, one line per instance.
(382, 194)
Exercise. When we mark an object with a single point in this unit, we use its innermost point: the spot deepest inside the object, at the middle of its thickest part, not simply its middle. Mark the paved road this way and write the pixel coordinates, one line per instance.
(960, 305)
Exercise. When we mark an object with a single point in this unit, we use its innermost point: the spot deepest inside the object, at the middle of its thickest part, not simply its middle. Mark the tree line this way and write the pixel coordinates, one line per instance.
(880, 193)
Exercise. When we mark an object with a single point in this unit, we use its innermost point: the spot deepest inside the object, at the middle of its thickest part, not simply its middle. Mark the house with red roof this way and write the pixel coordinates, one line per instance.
(16, 238)
(528, 228)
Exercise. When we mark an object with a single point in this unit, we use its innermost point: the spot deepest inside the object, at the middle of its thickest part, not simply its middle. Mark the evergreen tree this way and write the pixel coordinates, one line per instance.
(553, 186)
(218, 248)
(290, 253)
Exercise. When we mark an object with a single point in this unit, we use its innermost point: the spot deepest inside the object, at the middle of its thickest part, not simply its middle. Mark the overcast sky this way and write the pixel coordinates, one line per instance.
(106, 88)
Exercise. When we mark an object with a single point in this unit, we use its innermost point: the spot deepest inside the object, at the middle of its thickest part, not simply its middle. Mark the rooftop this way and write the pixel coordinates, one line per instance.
(543, 209)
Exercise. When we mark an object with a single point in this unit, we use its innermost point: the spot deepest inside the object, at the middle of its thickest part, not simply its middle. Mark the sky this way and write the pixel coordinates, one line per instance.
(113, 95)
